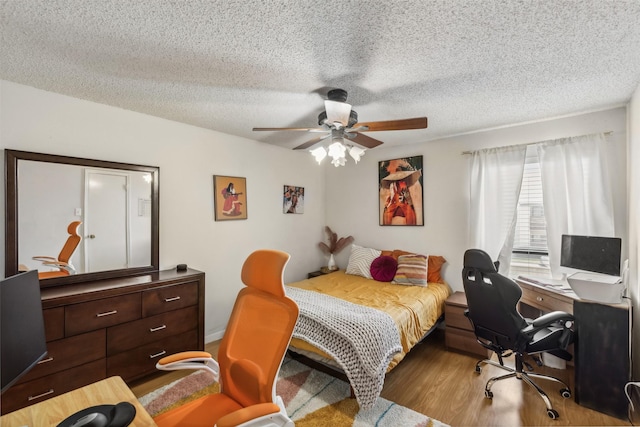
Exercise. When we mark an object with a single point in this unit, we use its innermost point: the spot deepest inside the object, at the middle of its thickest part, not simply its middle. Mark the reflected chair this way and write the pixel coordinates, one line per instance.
(250, 354)
(63, 262)
(492, 309)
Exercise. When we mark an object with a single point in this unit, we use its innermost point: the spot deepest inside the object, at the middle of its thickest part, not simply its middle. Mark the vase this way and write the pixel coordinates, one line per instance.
(332, 263)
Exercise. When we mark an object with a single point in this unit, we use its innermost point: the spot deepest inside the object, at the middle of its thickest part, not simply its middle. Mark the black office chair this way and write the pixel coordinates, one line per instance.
(492, 309)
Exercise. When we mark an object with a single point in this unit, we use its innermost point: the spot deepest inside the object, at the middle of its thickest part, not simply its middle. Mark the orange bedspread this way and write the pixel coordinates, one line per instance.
(414, 309)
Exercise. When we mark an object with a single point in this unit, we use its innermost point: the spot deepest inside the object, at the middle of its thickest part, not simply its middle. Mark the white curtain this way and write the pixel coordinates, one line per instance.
(576, 189)
(496, 177)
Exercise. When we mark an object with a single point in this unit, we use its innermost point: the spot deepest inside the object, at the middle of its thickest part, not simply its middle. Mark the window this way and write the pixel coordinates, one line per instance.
(530, 254)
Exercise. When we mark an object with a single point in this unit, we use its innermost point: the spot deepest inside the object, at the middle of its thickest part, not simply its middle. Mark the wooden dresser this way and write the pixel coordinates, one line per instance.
(120, 327)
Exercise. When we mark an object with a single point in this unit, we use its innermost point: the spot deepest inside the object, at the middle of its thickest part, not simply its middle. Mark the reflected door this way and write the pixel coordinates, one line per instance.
(106, 220)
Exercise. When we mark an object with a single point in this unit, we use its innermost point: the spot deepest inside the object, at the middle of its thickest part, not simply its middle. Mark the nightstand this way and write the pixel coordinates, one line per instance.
(458, 333)
(320, 272)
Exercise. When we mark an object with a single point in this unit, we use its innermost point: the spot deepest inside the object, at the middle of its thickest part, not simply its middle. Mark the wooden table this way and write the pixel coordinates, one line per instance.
(51, 412)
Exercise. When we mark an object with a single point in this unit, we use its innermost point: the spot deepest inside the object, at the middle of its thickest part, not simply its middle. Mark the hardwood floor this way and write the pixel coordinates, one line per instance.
(444, 385)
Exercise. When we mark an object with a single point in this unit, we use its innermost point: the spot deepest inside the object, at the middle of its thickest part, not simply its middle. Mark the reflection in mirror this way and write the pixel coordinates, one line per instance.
(78, 219)
(113, 207)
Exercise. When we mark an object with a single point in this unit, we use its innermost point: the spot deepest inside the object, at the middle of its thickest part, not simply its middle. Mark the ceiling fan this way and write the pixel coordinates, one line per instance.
(339, 122)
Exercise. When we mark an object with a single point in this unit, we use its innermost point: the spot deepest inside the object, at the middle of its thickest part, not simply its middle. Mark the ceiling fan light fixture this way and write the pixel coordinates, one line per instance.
(337, 112)
(319, 153)
(356, 153)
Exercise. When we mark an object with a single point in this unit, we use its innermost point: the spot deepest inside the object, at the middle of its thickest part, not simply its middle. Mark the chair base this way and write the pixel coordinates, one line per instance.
(521, 374)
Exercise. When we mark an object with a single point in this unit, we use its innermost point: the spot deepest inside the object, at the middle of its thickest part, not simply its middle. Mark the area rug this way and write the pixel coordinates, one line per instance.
(312, 399)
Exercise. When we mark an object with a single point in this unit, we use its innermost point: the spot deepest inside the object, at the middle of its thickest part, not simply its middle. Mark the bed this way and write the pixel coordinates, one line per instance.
(364, 327)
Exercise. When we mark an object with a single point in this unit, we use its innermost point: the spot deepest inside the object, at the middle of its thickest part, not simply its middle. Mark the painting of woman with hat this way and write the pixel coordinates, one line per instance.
(401, 191)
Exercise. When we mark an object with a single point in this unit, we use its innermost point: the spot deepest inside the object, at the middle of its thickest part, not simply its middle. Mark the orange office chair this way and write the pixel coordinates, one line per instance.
(63, 262)
(249, 357)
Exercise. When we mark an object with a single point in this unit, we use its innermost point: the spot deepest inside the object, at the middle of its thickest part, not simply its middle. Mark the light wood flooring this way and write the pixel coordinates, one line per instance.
(445, 386)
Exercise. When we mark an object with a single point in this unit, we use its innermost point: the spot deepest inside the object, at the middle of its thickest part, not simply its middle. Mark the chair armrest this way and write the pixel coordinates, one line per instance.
(553, 317)
(189, 360)
(43, 258)
(249, 415)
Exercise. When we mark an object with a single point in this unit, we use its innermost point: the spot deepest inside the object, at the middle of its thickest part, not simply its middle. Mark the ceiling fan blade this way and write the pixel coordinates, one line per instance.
(416, 123)
(294, 129)
(365, 141)
(337, 111)
(311, 142)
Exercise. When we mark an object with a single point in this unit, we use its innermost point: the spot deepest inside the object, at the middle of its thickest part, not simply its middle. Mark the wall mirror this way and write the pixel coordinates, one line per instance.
(105, 214)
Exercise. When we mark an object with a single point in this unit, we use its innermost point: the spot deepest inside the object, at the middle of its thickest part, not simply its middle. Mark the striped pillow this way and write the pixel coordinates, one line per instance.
(412, 270)
(360, 261)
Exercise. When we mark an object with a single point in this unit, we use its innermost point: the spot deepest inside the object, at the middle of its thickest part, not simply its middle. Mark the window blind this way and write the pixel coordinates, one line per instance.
(530, 254)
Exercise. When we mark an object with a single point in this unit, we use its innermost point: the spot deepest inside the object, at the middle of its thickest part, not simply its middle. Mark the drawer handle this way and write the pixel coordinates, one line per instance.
(48, 359)
(171, 299)
(540, 299)
(153, 356)
(159, 328)
(107, 313)
(46, 393)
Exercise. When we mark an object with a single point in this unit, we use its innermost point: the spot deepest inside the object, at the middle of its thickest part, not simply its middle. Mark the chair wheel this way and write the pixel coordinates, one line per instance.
(566, 393)
(488, 394)
(553, 414)
(478, 369)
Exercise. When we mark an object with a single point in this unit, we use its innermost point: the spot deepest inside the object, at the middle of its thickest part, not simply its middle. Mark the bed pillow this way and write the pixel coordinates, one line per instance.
(383, 268)
(360, 261)
(412, 270)
(434, 267)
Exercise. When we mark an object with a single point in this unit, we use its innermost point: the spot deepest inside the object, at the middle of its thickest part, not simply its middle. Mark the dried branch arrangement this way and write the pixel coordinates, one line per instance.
(335, 245)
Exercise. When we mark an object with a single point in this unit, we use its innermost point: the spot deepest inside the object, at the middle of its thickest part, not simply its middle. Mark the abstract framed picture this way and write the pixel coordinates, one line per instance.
(229, 197)
(400, 191)
(293, 199)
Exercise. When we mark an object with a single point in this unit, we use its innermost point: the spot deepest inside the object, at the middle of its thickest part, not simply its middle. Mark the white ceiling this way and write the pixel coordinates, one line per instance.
(232, 65)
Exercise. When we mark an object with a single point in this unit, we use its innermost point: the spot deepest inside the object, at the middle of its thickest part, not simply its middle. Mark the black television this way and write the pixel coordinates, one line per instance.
(22, 340)
(591, 253)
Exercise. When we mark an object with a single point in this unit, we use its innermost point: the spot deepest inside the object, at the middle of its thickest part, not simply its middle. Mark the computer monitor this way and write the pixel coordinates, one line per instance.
(591, 253)
(22, 339)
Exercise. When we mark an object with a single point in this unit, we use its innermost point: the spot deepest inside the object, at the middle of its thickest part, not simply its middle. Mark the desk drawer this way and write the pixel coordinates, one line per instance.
(134, 334)
(102, 313)
(169, 298)
(545, 301)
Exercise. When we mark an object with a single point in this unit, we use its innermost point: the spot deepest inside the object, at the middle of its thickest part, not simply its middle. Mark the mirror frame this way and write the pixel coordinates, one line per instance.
(11, 215)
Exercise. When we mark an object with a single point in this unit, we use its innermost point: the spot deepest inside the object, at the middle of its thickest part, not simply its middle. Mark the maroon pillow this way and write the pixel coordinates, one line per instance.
(383, 268)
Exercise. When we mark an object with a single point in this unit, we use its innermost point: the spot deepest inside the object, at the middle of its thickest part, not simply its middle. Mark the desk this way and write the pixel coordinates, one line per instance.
(53, 411)
(602, 342)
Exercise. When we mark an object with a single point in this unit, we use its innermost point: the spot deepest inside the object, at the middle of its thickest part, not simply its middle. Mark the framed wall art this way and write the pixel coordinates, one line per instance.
(229, 197)
(400, 191)
(293, 199)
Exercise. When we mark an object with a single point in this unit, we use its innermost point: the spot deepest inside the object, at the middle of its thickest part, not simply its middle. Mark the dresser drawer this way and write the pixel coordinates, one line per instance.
(454, 317)
(161, 300)
(28, 393)
(131, 335)
(463, 340)
(69, 352)
(141, 361)
(102, 313)
(53, 323)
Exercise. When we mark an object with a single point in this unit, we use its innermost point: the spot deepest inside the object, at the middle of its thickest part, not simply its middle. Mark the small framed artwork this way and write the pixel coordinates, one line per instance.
(229, 197)
(400, 191)
(293, 199)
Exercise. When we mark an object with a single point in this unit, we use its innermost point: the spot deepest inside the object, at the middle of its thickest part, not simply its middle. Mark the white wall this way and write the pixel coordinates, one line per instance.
(188, 157)
(352, 191)
(633, 163)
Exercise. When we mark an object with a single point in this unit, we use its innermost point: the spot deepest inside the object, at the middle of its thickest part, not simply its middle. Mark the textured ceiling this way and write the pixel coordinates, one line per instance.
(236, 64)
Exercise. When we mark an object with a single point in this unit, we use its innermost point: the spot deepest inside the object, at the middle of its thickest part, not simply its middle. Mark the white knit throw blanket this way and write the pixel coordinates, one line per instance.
(362, 340)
